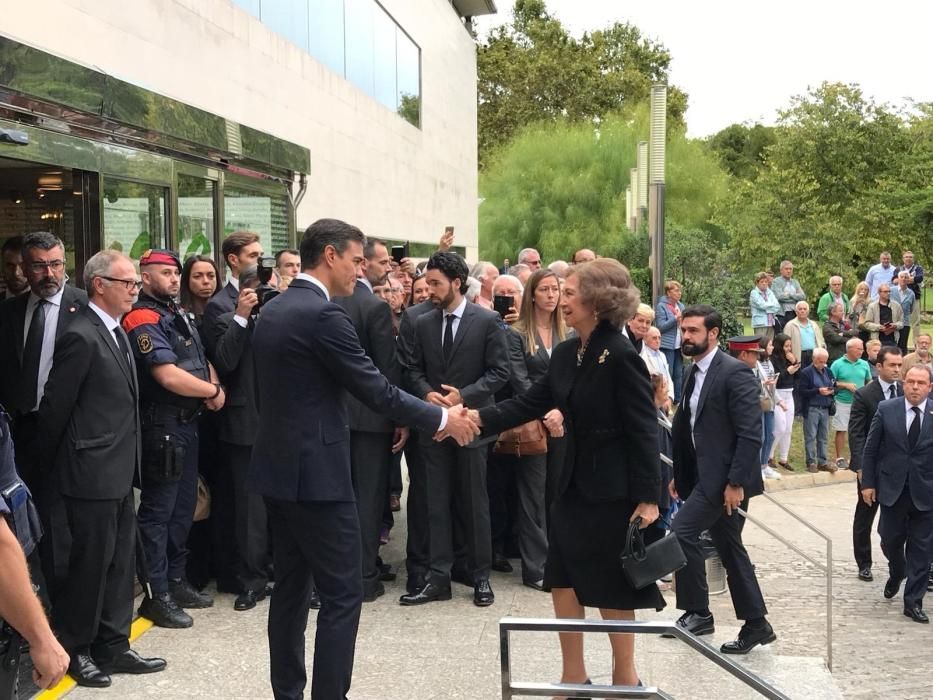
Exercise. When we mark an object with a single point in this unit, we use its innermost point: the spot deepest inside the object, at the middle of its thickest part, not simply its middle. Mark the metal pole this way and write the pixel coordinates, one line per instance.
(656, 166)
(829, 605)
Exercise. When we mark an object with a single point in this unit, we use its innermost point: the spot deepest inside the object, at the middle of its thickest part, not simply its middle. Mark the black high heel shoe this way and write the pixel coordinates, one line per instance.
(587, 682)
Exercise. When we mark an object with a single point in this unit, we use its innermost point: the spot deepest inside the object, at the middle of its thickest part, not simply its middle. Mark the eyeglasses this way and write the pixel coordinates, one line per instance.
(53, 265)
(129, 285)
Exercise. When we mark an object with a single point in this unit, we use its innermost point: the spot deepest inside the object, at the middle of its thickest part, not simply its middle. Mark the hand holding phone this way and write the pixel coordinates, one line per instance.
(502, 304)
(399, 253)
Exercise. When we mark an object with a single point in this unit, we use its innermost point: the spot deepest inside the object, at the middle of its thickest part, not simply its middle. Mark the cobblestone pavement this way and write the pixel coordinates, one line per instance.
(451, 650)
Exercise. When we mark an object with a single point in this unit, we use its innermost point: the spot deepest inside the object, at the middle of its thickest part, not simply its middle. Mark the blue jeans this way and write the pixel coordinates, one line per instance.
(815, 433)
(767, 435)
(675, 361)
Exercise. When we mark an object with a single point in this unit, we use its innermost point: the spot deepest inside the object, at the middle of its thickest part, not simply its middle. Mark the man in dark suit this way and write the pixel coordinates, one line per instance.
(29, 326)
(374, 438)
(301, 457)
(896, 473)
(864, 406)
(240, 249)
(89, 422)
(717, 438)
(460, 356)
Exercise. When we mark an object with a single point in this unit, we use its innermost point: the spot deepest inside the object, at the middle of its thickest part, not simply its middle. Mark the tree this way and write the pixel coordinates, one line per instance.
(533, 70)
(741, 148)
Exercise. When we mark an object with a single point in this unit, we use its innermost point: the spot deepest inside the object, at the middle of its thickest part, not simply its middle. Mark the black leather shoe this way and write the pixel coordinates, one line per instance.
(415, 582)
(164, 612)
(501, 564)
(428, 594)
(462, 577)
(314, 600)
(247, 599)
(131, 662)
(748, 639)
(482, 594)
(86, 673)
(695, 623)
(376, 591)
(917, 615)
(537, 585)
(891, 587)
(386, 574)
(185, 595)
(865, 574)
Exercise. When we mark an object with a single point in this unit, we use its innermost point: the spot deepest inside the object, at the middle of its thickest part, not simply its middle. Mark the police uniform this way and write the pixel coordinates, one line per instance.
(159, 334)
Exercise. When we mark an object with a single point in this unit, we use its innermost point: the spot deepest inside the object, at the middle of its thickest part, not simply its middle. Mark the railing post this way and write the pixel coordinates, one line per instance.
(829, 605)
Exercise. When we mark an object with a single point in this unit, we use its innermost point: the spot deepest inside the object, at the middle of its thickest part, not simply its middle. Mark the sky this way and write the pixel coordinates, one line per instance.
(741, 61)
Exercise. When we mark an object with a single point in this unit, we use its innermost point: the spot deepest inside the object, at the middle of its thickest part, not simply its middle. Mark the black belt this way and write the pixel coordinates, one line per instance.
(184, 415)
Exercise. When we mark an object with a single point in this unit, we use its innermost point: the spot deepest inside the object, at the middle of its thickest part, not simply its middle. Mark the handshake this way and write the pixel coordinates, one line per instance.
(463, 425)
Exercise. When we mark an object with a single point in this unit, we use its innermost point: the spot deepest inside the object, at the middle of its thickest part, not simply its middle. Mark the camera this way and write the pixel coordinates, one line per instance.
(265, 291)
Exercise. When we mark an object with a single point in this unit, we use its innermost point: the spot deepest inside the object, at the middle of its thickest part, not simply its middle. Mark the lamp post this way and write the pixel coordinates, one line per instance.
(641, 204)
(657, 138)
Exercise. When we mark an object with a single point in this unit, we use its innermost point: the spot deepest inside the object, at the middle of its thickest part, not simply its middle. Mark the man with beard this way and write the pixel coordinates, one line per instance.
(14, 281)
(717, 440)
(176, 382)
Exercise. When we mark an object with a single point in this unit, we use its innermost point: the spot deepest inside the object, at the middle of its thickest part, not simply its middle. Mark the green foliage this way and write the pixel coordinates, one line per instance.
(532, 70)
(741, 148)
(409, 108)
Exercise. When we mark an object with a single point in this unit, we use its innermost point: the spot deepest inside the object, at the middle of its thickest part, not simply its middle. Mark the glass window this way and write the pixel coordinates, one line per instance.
(359, 37)
(384, 29)
(287, 17)
(259, 212)
(251, 6)
(325, 33)
(134, 216)
(196, 205)
(409, 78)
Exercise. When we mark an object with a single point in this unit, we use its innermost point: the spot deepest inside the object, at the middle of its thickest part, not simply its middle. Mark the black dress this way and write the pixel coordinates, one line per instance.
(611, 465)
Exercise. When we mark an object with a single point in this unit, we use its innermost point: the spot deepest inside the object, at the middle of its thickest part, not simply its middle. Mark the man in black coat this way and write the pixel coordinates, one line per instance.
(885, 386)
(717, 440)
(240, 249)
(461, 356)
(301, 457)
(374, 438)
(896, 473)
(89, 421)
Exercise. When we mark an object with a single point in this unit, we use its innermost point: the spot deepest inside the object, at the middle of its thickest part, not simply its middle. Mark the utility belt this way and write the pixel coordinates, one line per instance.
(23, 519)
(163, 451)
(159, 412)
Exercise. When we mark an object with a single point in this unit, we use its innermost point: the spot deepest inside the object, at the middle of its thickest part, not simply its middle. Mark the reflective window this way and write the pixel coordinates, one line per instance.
(259, 212)
(287, 17)
(251, 6)
(325, 33)
(409, 78)
(360, 55)
(384, 30)
(196, 206)
(134, 216)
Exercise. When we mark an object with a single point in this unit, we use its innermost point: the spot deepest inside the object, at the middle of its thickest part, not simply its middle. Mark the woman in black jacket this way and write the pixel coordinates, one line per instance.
(611, 474)
(786, 367)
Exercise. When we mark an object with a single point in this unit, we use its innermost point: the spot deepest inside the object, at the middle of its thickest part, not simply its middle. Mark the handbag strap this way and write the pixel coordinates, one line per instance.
(634, 542)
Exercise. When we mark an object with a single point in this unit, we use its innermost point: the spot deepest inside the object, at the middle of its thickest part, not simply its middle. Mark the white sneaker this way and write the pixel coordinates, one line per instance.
(769, 473)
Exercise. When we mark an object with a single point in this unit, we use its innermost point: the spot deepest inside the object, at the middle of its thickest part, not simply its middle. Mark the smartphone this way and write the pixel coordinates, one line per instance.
(501, 304)
(399, 252)
(448, 230)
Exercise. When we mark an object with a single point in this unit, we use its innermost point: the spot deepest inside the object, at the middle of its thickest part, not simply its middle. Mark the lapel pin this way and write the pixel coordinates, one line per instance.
(603, 356)
(71, 309)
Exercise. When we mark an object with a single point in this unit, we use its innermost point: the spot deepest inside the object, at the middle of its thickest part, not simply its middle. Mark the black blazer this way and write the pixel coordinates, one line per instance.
(372, 319)
(302, 449)
(406, 340)
(726, 443)
(864, 406)
(12, 322)
(609, 418)
(222, 302)
(233, 360)
(518, 382)
(88, 416)
(888, 463)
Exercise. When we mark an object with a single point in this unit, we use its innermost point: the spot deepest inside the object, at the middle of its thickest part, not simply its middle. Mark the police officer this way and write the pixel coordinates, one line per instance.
(20, 610)
(176, 382)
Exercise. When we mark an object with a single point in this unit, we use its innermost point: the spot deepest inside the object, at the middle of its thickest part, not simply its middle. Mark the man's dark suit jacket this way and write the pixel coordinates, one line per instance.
(864, 406)
(222, 302)
(518, 382)
(406, 339)
(479, 361)
(88, 416)
(726, 432)
(302, 449)
(233, 360)
(372, 319)
(12, 322)
(609, 418)
(888, 463)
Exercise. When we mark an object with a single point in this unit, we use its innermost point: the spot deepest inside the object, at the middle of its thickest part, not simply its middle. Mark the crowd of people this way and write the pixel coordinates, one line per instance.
(520, 447)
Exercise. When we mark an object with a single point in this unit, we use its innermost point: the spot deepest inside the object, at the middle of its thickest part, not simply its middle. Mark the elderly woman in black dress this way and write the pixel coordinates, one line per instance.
(611, 473)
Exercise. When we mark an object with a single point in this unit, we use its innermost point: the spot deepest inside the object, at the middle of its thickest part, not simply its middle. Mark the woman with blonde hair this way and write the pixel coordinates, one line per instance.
(858, 305)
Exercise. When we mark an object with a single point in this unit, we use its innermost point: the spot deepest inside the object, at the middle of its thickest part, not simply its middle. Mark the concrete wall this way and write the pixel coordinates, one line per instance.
(368, 165)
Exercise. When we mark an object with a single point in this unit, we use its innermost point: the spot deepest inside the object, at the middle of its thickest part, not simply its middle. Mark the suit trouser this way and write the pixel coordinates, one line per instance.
(526, 512)
(320, 539)
(26, 441)
(93, 608)
(862, 521)
(456, 480)
(250, 523)
(906, 538)
(370, 459)
(701, 512)
(418, 546)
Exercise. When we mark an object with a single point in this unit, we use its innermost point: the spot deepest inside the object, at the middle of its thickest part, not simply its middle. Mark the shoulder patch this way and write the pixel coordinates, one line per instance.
(144, 342)
(140, 317)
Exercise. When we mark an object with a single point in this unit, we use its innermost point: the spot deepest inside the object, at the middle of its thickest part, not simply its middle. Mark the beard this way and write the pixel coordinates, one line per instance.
(693, 349)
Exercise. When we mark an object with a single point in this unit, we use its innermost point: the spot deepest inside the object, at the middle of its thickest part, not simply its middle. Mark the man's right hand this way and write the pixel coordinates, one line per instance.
(438, 399)
(869, 496)
(459, 426)
(245, 302)
(49, 661)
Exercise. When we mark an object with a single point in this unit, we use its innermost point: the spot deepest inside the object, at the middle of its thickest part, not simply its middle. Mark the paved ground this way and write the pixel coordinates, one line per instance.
(450, 650)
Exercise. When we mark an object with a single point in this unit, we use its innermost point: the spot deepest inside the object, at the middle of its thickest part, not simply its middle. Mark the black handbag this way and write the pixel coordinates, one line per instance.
(643, 565)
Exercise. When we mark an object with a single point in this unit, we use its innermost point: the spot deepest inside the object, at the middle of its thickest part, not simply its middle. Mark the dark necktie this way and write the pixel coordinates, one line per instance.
(32, 354)
(122, 344)
(449, 337)
(688, 391)
(892, 392)
(913, 433)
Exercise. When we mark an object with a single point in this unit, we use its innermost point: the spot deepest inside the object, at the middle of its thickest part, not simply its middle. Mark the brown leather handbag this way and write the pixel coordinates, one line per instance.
(525, 440)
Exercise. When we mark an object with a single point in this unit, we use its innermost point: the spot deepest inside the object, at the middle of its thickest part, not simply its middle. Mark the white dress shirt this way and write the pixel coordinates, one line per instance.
(48, 337)
(457, 314)
(110, 323)
(886, 388)
(701, 367)
(910, 416)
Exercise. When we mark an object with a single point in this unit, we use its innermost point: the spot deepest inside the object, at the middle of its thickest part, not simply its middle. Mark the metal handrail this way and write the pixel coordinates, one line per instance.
(508, 625)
